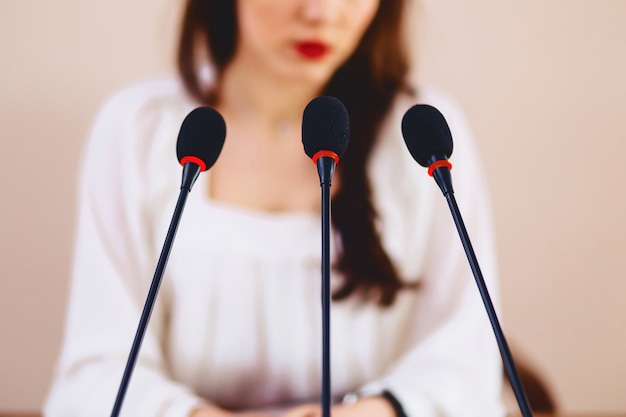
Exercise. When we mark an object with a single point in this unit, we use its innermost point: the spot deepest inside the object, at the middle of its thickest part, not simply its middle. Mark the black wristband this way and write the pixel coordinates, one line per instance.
(397, 407)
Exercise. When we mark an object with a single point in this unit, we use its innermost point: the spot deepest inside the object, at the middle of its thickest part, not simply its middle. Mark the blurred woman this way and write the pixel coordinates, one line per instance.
(236, 328)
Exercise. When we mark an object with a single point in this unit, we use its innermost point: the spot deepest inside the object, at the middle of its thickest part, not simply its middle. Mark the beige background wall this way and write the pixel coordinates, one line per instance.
(543, 84)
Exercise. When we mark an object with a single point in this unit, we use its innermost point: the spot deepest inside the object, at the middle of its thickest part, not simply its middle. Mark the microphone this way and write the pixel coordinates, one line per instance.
(429, 140)
(325, 136)
(200, 142)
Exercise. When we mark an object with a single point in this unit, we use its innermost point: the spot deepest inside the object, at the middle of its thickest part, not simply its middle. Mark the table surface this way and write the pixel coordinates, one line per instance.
(36, 414)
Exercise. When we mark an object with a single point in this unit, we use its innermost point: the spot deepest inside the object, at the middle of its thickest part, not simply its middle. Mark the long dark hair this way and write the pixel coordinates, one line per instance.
(367, 84)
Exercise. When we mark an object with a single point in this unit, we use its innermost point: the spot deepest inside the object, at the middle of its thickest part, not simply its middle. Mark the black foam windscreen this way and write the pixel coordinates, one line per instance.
(201, 135)
(426, 134)
(325, 126)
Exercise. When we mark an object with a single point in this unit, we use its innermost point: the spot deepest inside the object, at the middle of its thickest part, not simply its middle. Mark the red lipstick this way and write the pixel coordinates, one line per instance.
(312, 49)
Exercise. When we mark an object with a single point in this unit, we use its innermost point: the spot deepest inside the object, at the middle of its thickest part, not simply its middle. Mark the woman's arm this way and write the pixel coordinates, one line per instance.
(114, 262)
(451, 366)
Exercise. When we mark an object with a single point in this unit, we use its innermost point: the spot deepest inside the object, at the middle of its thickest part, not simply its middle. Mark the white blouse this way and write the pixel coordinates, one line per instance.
(238, 318)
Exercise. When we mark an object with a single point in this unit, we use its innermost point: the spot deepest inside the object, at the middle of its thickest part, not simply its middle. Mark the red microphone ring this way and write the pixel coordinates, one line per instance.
(193, 160)
(319, 154)
(442, 163)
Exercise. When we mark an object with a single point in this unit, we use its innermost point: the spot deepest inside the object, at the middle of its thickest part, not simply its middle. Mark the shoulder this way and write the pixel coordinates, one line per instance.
(136, 128)
(391, 144)
(137, 115)
(406, 198)
(450, 108)
(147, 92)
(464, 152)
(145, 99)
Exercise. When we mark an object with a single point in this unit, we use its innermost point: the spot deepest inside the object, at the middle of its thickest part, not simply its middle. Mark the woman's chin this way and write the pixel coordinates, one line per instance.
(311, 75)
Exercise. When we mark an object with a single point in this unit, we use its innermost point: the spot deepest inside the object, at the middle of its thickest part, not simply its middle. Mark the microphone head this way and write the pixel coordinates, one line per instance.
(201, 137)
(426, 134)
(325, 126)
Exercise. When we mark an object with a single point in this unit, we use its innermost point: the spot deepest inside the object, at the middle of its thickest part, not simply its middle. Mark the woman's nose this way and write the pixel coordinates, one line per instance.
(316, 11)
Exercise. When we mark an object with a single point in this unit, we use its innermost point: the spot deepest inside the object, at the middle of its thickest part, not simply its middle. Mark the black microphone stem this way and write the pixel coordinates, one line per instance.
(190, 174)
(507, 357)
(326, 168)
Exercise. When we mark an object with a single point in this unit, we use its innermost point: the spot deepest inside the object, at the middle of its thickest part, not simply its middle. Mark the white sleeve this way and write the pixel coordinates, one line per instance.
(114, 261)
(453, 367)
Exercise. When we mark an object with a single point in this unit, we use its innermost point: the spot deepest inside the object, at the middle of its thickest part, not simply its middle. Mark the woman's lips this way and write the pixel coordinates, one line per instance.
(312, 49)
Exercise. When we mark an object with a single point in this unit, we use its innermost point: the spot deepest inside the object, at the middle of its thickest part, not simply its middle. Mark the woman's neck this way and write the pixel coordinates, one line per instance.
(262, 165)
(266, 100)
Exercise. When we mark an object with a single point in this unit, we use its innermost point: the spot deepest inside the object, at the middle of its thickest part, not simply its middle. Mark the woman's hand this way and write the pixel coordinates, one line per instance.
(365, 407)
(208, 410)
(305, 410)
